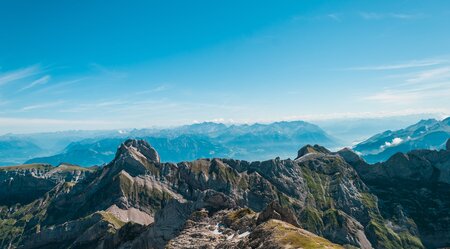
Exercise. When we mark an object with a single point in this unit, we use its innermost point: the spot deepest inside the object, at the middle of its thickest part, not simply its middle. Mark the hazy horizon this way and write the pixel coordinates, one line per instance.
(326, 124)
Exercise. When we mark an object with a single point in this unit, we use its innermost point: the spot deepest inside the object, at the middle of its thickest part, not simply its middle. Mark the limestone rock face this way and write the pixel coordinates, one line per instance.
(136, 147)
(350, 156)
(416, 165)
(276, 211)
(413, 189)
(311, 149)
(26, 183)
(82, 232)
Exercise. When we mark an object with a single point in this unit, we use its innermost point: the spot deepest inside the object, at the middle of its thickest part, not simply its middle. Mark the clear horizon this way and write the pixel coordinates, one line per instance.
(106, 65)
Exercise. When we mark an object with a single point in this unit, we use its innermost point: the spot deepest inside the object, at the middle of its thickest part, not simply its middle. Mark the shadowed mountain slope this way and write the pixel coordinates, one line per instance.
(414, 189)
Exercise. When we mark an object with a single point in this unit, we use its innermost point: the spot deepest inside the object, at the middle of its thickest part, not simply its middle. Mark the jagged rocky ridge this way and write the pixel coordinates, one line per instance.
(413, 189)
(25, 183)
(319, 200)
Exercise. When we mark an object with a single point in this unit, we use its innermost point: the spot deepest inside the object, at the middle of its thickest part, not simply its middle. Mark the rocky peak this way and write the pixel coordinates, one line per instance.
(349, 156)
(311, 149)
(446, 121)
(278, 212)
(134, 146)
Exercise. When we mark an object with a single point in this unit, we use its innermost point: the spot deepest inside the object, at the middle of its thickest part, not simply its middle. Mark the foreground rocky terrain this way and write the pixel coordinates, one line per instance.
(320, 199)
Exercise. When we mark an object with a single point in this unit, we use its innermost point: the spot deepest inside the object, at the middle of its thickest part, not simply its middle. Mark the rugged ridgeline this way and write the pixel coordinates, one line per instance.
(426, 134)
(413, 189)
(25, 183)
(317, 200)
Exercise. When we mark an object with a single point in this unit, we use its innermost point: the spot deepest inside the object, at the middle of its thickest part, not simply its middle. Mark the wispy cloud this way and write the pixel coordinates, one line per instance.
(12, 124)
(42, 106)
(60, 85)
(389, 97)
(417, 84)
(406, 94)
(40, 81)
(335, 16)
(380, 16)
(441, 112)
(435, 74)
(110, 103)
(19, 74)
(42, 121)
(338, 17)
(108, 72)
(403, 65)
(160, 88)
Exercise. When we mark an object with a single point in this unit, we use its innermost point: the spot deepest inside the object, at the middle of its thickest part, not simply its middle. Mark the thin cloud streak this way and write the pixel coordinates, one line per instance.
(40, 81)
(42, 106)
(409, 95)
(335, 16)
(397, 97)
(442, 112)
(19, 74)
(430, 75)
(60, 85)
(406, 65)
(160, 88)
(381, 16)
(31, 125)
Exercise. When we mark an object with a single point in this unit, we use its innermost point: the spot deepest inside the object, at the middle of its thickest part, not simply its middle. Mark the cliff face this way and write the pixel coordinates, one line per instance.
(414, 189)
(25, 183)
(138, 202)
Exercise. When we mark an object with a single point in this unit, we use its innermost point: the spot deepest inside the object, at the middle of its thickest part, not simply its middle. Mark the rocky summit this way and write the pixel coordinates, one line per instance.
(322, 199)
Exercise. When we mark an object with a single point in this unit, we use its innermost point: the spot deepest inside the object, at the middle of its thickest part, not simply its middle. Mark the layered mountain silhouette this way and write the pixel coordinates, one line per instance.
(204, 140)
(426, 134)
(15, 150)
(208, 140)
(321, 199)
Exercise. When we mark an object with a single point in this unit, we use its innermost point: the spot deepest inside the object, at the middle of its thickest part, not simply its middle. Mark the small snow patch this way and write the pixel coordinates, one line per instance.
(242, 235)
(216, 229)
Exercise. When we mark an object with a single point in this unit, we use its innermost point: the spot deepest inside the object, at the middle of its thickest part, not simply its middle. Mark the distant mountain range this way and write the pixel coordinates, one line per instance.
(98, 152)
(184, 143)
(426, 134)
(206, 140)
(16, 150)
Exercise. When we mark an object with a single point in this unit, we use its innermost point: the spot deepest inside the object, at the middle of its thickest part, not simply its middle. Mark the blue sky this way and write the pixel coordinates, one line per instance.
(111, 64)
